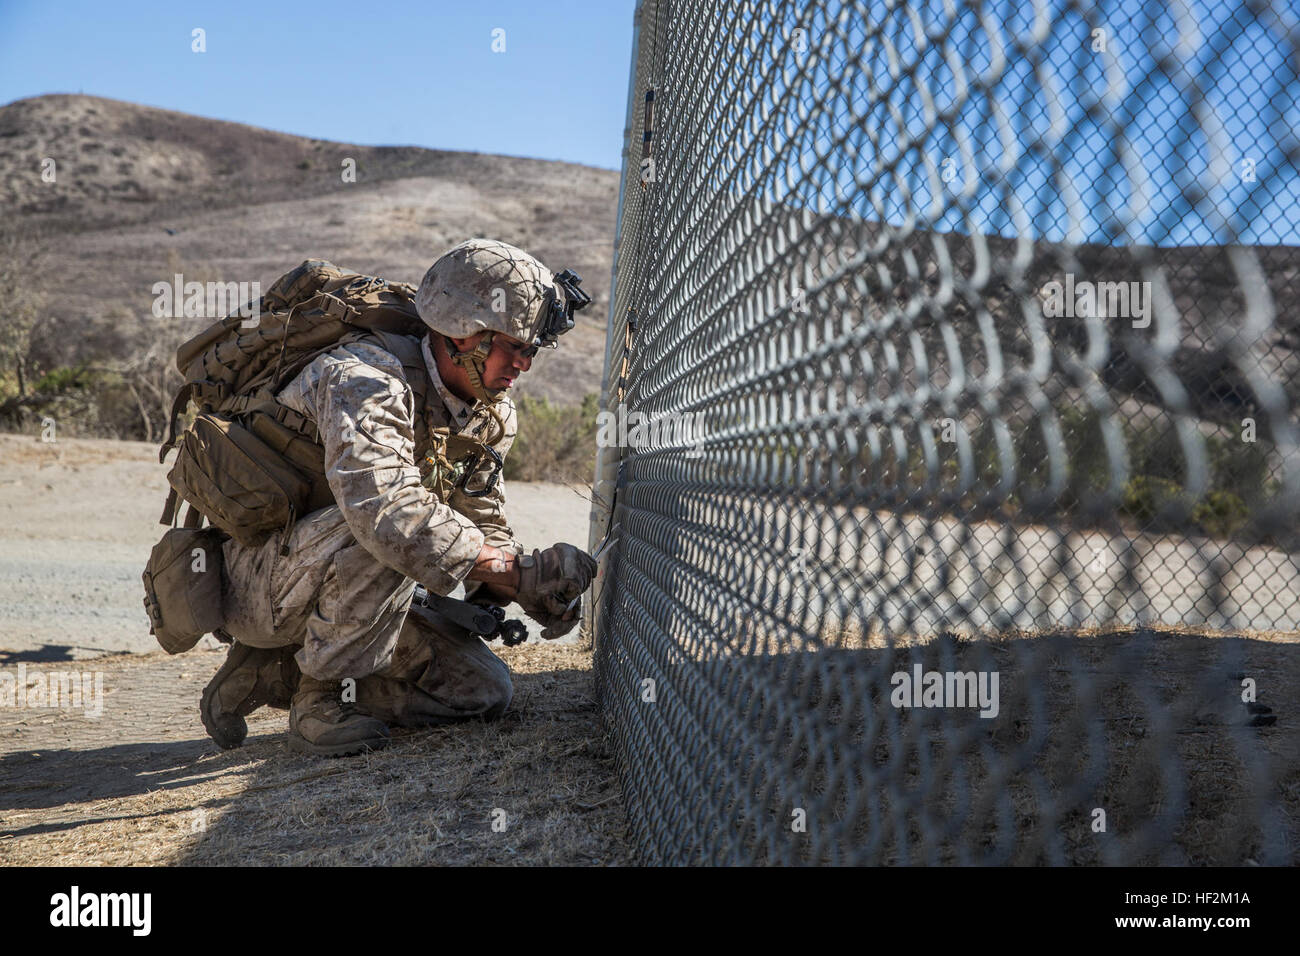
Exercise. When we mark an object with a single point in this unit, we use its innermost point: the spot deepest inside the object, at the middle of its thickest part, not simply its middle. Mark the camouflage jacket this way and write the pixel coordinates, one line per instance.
(376, 409)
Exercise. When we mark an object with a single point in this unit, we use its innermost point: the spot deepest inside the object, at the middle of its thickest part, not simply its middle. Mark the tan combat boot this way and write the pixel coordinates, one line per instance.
(321, 723)
(250, 677)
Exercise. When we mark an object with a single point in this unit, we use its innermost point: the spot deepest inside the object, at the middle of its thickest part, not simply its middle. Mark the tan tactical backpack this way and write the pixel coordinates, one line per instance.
(246, 463)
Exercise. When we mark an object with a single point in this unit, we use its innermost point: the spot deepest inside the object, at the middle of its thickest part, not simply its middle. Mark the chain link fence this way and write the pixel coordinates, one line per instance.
(948, 481)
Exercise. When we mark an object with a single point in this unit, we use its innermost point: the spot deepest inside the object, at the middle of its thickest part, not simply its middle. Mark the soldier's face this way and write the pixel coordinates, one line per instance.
(507, 360)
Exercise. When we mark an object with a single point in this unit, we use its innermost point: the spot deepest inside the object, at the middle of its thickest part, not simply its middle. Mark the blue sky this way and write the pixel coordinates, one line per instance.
(425, 74)
(1228, 67)
(379, 73)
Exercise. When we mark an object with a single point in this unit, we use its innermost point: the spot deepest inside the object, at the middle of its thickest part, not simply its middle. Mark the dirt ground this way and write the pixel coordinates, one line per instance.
(142, 784)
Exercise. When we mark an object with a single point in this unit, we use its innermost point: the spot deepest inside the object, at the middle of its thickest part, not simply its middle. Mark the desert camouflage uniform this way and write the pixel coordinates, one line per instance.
(344, 588)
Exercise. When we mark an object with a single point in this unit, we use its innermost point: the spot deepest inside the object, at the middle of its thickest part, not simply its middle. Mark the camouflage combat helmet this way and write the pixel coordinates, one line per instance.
(485, 285)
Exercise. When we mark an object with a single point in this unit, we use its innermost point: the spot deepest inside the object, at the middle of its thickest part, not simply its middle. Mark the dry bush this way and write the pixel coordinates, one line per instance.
(113, 378)
(24, 303)
(555, 442)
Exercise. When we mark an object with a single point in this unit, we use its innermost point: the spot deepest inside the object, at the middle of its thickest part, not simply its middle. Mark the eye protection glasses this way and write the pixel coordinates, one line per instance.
(515, 349)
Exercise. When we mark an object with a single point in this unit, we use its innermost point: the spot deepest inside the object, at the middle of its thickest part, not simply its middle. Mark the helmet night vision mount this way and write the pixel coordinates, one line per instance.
(559, 317)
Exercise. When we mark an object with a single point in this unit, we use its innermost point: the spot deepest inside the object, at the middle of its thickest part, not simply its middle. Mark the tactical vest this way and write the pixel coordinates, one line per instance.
(448, 456)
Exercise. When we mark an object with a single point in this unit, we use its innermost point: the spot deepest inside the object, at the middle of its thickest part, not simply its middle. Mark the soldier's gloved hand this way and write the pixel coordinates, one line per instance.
(558, 627)
(550, 580)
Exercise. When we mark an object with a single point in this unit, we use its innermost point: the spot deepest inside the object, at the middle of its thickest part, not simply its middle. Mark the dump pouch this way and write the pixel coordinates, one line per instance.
(182, 587)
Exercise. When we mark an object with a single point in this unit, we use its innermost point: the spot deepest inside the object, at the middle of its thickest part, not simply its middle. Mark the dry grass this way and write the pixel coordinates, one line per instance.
(1152, 732)
(171, 797)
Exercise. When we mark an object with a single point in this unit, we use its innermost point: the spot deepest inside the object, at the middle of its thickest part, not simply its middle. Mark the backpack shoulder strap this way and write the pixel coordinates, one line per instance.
(407, 350)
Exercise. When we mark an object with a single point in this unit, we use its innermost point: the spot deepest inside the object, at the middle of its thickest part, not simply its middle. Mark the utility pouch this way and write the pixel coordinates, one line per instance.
(234, 479)
(182, 587)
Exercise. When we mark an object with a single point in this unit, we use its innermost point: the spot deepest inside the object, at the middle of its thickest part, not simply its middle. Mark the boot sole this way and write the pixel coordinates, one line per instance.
(225, 740)
(303, 746)
(239, 727)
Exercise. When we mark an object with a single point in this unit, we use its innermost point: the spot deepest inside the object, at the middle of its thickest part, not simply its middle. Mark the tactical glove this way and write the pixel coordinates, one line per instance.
(558, 627)
(549, 581)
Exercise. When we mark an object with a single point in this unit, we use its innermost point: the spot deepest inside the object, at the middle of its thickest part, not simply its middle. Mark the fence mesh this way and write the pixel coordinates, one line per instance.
(948, 481)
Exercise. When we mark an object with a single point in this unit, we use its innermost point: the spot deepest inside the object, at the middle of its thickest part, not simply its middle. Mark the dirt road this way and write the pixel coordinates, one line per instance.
(130, 776)
(77, 520)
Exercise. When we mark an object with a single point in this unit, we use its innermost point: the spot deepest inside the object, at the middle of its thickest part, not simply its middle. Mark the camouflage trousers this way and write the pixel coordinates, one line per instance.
(353, 617)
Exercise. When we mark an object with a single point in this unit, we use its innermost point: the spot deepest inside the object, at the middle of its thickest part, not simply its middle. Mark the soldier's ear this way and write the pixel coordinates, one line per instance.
(465, 344)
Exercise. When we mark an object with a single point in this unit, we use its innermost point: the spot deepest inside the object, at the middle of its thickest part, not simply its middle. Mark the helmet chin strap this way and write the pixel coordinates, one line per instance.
(474, 362)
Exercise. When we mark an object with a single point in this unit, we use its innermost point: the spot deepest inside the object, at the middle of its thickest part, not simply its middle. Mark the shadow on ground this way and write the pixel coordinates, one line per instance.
(1103, 748)
(45, 654)
(537, 786)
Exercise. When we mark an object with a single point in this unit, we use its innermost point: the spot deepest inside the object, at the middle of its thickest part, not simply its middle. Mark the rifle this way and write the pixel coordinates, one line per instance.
(484, 620)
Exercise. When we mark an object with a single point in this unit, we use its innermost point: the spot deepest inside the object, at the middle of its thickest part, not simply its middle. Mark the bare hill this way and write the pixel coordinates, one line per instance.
(140, 193)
